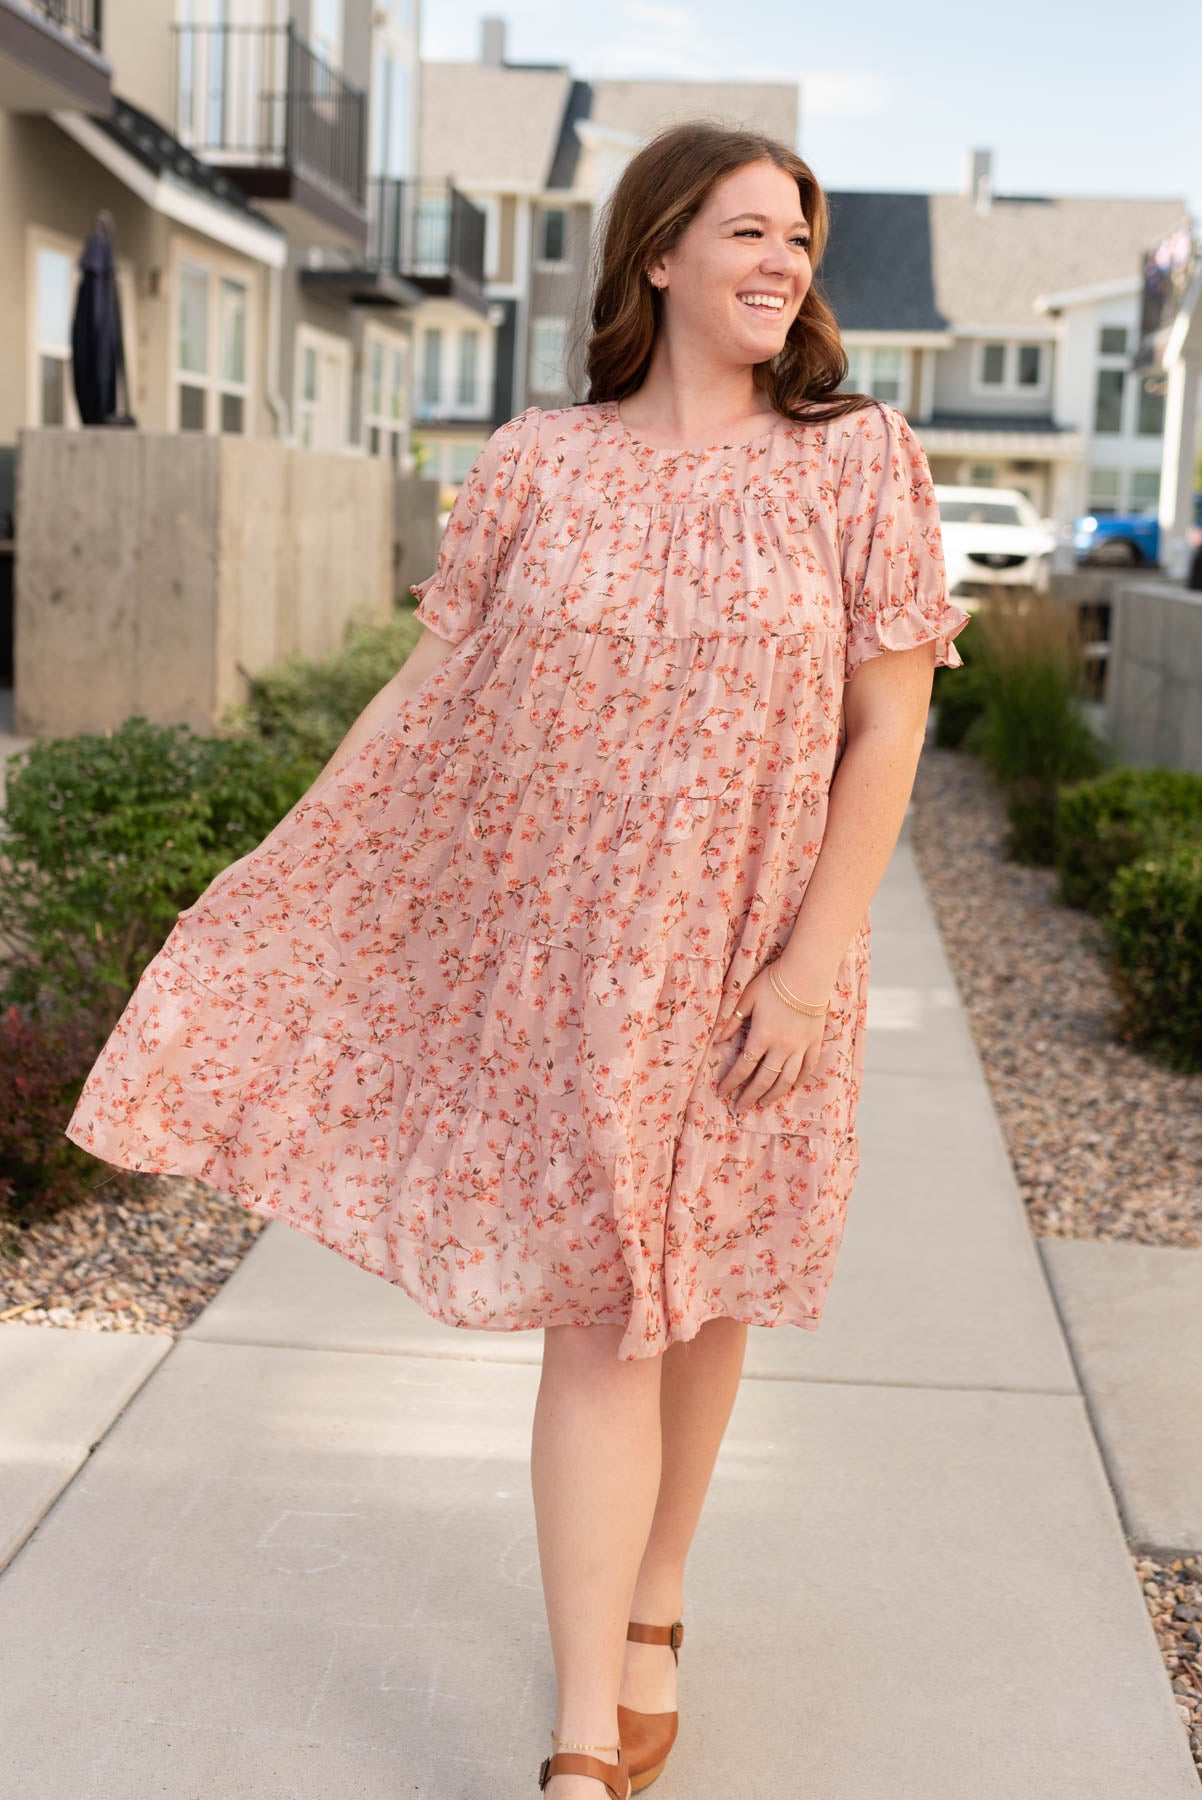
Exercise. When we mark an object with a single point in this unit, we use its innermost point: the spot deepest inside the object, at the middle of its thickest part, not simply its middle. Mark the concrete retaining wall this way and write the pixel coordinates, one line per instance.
(1154, 679)
(150, 566)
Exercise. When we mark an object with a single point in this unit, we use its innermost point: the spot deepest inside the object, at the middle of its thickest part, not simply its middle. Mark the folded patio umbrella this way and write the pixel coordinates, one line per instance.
(97, 350)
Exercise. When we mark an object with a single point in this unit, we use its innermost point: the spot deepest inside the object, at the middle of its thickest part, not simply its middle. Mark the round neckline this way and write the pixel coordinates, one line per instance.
(623, 430)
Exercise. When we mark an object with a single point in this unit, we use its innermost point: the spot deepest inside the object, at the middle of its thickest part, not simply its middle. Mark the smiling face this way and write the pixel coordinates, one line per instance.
(737, 277)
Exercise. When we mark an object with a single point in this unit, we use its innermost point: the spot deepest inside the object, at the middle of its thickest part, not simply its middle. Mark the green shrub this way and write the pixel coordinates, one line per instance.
(305, 709)
(106, 838)
(1153, 931)
(1117, 818)
(1032, 735)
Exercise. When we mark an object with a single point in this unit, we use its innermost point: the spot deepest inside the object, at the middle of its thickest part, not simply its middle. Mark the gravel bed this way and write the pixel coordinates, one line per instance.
(1104, 1144)
(149, 1260)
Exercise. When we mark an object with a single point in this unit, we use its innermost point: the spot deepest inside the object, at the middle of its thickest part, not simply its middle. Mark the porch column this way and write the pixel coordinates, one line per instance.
(1177, 467)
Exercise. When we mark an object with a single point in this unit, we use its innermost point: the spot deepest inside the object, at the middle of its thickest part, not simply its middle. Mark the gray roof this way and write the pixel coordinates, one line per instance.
(910, 262)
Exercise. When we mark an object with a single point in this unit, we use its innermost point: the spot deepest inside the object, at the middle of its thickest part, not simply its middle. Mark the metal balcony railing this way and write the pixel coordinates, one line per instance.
(80, 19)
(259, 95)
(420, 228)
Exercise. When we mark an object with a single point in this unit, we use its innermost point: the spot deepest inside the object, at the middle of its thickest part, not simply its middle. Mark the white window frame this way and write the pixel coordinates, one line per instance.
(1010, 386)
(867, 350)
(328, 342)
(37, 238)
(394, 347)
(559, 325)
(213, 383)
(552, 265)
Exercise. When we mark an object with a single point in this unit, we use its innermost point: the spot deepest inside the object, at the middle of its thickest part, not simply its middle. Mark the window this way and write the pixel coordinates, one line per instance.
(383, 404)
(431, 389)
(547, 339)
(322, 387)
(878, 371)
(553, 248)
(1029, 365)
(1150, 415)
(1112, 340)
(490, 206)
(212, 389)
(1105, 487)
(469, 362)
(325, 24)
(432, 233)
(232, 387)
(192, 354)
(993, 365)
(1145, 490)
(1108, 401)
(462, 458)
(1004, 368)
(55, 276)
(982, 475)
(389, 115)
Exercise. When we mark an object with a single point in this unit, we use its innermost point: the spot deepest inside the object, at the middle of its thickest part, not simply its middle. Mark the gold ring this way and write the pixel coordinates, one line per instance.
(739, 1015)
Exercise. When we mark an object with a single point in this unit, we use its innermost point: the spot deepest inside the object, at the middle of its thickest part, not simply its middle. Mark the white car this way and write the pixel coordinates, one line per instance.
(994, 535)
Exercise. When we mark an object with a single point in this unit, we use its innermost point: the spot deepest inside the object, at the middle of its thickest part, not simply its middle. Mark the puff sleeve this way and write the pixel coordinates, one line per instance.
(483, 523)
(891, 550)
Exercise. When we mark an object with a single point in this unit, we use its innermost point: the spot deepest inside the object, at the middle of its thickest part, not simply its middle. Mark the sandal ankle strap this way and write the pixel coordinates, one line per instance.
(658, 1634)
(615, 1776)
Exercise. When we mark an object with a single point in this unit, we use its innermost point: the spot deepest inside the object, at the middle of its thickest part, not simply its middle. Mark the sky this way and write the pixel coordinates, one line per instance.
(1104, 99)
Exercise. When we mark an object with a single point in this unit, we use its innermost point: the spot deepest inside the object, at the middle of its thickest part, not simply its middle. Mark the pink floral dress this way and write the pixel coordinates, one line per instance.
(453, 1016)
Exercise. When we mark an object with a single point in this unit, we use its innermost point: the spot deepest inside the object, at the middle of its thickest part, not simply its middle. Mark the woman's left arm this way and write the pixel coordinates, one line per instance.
(885, 704)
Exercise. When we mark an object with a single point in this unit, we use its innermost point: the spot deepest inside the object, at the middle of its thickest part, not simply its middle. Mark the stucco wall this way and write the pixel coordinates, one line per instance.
(150, 566)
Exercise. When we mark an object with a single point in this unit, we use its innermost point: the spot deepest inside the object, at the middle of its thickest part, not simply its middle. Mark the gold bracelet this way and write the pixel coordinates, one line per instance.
(811, 1012)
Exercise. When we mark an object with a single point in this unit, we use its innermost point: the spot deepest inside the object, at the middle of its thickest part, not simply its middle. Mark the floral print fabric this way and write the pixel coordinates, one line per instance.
(453, 1016)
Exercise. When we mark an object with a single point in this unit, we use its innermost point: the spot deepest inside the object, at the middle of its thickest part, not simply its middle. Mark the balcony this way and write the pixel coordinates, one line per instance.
(429, 234)
(50, 57)
(259, 102)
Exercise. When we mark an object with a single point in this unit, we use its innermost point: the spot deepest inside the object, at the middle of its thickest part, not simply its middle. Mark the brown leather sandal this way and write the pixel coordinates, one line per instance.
(614, 1777)
(646, 1738)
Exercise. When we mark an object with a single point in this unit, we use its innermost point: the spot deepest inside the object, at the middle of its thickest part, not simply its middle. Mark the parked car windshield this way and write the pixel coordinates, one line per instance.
(979, 512)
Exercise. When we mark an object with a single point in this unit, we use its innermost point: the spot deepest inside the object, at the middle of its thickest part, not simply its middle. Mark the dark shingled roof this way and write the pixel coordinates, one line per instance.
(878, 271)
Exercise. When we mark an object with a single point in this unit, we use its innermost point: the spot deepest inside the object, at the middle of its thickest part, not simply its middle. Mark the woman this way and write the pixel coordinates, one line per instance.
(546, 1002)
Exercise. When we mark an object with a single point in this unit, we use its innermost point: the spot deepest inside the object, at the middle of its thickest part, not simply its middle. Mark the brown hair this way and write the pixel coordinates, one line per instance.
(660, 191)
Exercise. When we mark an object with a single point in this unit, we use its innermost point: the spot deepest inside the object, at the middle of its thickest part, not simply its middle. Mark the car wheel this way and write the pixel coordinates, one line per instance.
(1120, 552)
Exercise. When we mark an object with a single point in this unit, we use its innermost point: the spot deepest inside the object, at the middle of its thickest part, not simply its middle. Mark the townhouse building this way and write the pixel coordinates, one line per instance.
(274, 242)
(1005, 328)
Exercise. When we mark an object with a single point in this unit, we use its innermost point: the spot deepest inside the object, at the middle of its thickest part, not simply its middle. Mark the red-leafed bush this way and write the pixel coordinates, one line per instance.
(43, 1064)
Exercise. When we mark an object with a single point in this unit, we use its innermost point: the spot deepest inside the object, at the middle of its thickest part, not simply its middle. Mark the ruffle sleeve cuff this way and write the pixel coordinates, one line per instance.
(894, 580)
(482, 526)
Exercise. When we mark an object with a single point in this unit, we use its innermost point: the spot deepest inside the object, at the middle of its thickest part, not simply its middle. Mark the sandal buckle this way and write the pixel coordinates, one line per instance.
(677, 1634)
(543, 1772)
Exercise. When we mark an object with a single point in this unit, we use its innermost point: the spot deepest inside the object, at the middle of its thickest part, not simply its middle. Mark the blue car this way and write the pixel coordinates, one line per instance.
(1122, 537)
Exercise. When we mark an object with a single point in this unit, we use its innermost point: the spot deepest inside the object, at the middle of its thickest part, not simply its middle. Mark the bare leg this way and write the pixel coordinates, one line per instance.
(698, 1385)
(595, 1470)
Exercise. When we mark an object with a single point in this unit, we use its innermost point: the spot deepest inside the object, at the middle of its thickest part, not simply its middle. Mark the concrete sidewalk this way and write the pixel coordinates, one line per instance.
(302, 1561)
